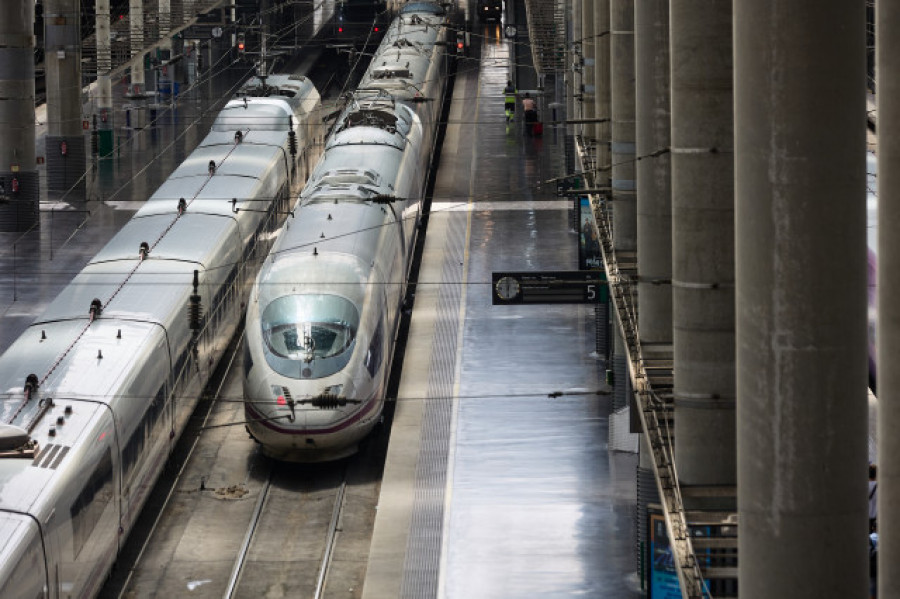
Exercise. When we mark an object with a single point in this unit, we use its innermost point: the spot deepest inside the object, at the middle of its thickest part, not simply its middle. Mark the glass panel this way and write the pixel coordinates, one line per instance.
(309, 333)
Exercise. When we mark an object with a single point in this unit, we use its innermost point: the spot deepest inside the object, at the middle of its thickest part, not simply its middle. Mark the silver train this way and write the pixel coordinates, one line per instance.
(323, 314)
(96, 392)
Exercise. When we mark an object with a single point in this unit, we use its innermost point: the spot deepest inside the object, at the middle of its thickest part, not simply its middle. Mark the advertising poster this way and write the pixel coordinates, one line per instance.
(663, 583)
(589, 255)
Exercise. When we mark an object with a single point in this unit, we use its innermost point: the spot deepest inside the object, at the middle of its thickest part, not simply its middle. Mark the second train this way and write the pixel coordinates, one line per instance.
(323, 314)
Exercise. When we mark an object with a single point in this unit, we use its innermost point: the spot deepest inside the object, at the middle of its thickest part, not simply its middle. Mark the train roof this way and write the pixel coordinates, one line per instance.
(258, 114)
(155, 289)
(349, 169)
(211, 196)
(193, 238)
(401, 63)
(333, 179)
(341, 274)
(89, 370)
(245, 159)
(377, 120)
(150, 294)
(295, 91)
(277, 85)
(251, 138)
(324, 227)
(238, 170)
(21, 486)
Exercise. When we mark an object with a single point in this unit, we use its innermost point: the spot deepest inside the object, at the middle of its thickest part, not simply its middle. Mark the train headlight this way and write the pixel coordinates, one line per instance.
(282, 395)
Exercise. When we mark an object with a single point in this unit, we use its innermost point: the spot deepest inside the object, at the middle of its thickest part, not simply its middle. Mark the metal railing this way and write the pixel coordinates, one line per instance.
(655, 410)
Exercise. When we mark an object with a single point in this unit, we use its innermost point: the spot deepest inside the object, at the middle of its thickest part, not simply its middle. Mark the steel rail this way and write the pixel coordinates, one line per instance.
(248, 537)
(187, 457)
(688, 570)
(330, 539)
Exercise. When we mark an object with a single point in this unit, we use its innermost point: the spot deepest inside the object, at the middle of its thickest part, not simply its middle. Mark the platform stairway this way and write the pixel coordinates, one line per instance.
(701, 520)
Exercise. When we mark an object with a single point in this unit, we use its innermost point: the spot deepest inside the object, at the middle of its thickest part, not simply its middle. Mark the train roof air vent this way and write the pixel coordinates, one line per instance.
(51, 456)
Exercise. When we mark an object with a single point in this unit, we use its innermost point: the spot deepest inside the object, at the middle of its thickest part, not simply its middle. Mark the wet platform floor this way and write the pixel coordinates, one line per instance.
(494, 487)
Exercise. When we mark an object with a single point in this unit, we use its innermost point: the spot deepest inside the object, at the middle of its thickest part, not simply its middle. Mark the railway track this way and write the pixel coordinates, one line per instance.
(225, 521)
(297, 518)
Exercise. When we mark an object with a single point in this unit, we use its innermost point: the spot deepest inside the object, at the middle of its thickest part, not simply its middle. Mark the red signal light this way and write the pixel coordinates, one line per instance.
(340, 30)
(376, 29)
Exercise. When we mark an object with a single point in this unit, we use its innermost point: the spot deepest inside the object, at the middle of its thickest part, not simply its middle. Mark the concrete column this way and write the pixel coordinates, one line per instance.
(800, 184)
(622, 152)
(104, 105)
(136, 24)
(137, 93)
(570, 73)
(165, 74)
(887, 20)
(602, 98)
(264, 35)
(190, 10)
(654, 190)
(65, 150)
(165, 18)
(703, 241)
(18, 209)
(587, 43)
(577, 58)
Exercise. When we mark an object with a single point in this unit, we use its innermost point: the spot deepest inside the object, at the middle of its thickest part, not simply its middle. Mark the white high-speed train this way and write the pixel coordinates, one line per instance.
(323, 314)
(94, 395)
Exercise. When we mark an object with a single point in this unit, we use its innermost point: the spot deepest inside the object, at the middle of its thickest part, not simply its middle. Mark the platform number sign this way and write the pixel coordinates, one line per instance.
(549, 287)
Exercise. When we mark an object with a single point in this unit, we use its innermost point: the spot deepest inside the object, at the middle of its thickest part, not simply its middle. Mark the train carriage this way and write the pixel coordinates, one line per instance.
(323, 315)
(95, 393)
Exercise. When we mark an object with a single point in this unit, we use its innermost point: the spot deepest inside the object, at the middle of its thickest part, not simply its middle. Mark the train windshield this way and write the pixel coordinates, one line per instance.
(309, 336)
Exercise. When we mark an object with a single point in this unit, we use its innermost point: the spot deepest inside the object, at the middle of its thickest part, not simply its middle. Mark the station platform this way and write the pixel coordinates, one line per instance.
(499, 481)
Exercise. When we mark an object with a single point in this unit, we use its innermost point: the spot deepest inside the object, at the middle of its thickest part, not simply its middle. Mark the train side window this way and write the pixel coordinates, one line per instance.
(132, 452)
(375, 353)
(91, 502)
(134, 448)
